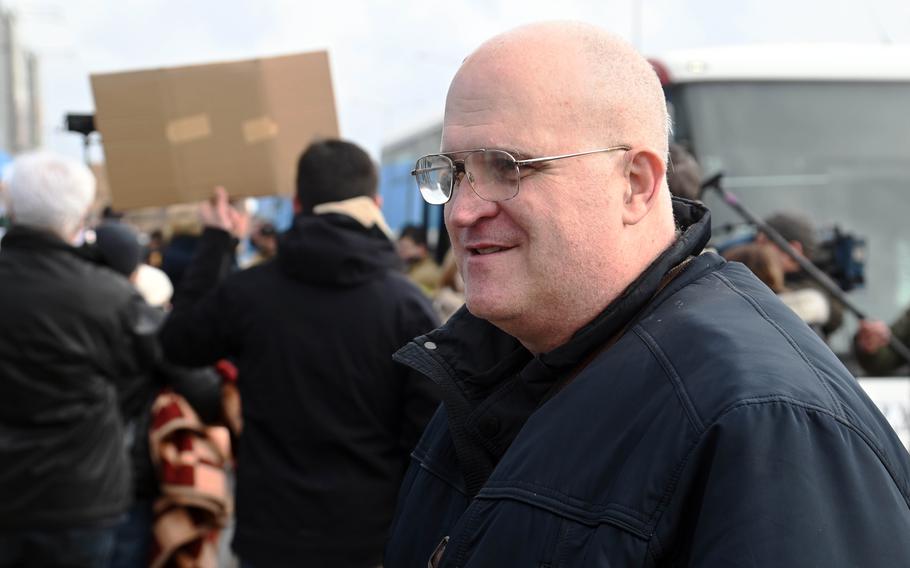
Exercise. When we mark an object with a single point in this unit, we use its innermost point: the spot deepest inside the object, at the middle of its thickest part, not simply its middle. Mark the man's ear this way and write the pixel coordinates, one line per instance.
(646, 172)
(83, 223)
(377, 199)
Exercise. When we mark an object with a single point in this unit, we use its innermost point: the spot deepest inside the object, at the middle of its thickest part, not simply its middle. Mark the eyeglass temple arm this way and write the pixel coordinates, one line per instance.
(455, 163)
(416, 171)
(457, 166)
(560, 157)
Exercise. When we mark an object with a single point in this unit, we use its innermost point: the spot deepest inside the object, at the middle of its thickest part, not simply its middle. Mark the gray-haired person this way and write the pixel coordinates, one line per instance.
(72, 334)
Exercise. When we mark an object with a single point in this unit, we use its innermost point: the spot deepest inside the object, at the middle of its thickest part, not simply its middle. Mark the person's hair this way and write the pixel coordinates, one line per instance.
(414, 232)
(334, 170)
(49, 192)
(795, 227)
(762, 261)
(683, 173)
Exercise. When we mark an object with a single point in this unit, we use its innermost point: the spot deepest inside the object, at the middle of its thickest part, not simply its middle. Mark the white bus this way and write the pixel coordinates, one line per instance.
(820, 129)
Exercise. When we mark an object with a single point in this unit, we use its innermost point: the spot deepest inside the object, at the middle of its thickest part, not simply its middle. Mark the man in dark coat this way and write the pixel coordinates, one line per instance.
(74, 336)
(329, 419)
(613, 395)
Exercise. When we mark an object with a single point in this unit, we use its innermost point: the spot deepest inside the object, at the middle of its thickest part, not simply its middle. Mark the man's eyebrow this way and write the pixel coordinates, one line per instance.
(515, 152)
(457, 152)
(519, 154)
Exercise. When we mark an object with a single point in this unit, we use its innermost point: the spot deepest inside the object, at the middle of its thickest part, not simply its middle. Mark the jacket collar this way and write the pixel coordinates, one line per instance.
(24, 238)
(491, 384)
(30, 238)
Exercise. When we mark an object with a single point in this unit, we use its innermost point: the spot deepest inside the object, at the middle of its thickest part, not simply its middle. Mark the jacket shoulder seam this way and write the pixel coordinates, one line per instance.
(671, 374)
(762, 401)
(842, 420)
(837, 405)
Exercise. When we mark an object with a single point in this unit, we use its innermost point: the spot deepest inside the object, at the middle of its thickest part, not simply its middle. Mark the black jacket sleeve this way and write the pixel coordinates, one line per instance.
(197, 330)
(779, 483)
(138, 350)
(135, 352)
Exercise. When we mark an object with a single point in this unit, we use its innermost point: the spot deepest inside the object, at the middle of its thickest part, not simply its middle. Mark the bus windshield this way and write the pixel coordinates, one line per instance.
(838, 152)
(791, 128)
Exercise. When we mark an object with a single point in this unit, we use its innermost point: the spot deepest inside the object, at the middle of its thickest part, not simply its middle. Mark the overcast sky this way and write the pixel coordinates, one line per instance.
(391, 60)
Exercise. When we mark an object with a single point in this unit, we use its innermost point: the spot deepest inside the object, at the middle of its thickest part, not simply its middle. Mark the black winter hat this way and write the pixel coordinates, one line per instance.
(795, 227)
(118, 246)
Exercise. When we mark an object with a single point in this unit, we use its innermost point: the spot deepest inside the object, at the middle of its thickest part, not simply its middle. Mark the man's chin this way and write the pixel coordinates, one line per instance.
(491, 309)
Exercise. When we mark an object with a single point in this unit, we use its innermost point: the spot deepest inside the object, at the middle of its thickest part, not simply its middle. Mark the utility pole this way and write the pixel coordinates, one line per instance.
(637, 25)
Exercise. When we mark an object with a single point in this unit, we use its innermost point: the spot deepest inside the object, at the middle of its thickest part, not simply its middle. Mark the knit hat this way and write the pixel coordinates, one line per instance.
(795, 227)
(118, 246)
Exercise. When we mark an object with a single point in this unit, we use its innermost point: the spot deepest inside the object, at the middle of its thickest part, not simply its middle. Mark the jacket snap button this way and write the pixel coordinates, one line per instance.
(489, 426)
(430, 345)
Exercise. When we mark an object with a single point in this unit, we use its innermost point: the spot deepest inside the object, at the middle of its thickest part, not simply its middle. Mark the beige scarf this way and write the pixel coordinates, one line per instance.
(363, 209)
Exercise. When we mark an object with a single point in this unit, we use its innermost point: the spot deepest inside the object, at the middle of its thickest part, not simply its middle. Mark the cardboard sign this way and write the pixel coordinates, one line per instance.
(171, 135)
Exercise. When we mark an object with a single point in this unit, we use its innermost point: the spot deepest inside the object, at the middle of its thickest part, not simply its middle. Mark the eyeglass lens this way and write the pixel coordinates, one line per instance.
(434, 176)
(493, 175)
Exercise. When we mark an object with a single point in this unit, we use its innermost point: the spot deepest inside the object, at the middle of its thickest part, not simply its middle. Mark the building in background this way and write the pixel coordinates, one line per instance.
(401, 202)
(20, 108)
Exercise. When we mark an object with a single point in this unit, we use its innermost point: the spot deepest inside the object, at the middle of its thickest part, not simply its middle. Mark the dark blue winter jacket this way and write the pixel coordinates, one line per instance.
(696, 422)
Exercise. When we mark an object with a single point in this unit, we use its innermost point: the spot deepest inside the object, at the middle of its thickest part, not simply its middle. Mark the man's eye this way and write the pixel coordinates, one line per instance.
(528, 169)
(505, 169)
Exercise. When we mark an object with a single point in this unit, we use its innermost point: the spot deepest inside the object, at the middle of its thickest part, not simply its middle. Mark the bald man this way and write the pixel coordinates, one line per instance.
(614, 396)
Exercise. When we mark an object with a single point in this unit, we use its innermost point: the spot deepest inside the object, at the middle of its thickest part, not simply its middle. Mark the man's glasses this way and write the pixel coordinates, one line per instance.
(493, 174)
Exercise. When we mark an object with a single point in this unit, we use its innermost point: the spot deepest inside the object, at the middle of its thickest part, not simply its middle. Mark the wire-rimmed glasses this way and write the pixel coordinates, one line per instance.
(494, 175)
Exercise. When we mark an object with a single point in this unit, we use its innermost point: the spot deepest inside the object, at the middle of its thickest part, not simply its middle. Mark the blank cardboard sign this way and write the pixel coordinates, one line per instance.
(171, 135)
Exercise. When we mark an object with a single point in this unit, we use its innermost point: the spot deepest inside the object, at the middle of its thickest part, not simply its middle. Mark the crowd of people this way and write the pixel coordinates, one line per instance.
(583, 382)
(292, 354)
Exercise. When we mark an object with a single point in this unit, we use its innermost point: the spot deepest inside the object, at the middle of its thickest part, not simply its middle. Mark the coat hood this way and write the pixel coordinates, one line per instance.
(344, 245)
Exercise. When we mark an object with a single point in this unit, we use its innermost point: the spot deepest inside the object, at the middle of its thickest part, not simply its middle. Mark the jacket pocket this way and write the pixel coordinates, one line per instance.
(504, 533)
(530, 529)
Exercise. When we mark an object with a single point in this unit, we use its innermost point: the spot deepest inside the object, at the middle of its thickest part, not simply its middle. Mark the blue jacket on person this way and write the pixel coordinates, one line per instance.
(695, 422)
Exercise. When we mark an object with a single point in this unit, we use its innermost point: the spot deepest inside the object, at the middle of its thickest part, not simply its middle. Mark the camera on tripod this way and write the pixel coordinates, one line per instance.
(842, 256)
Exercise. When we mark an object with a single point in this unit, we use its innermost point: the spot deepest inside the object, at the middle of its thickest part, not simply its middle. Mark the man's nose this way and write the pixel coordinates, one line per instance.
(466, 207)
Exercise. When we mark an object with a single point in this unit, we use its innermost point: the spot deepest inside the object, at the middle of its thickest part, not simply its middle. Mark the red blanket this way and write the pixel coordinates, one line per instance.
(195, 502)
